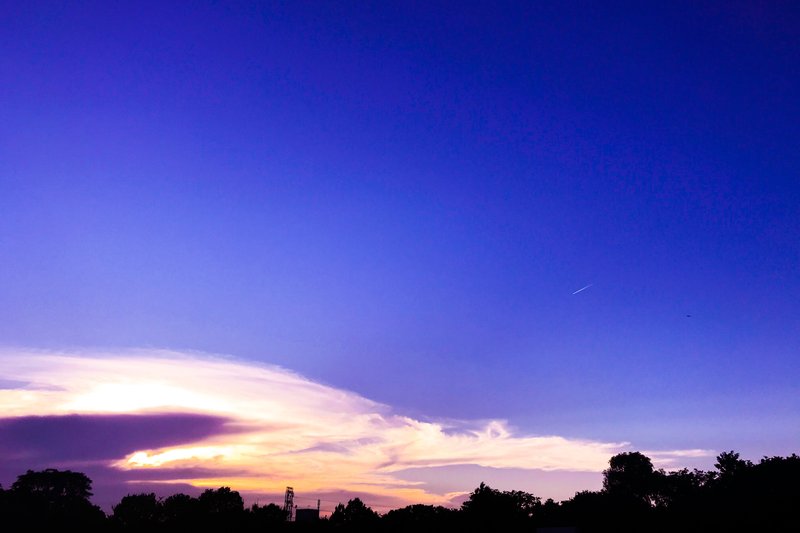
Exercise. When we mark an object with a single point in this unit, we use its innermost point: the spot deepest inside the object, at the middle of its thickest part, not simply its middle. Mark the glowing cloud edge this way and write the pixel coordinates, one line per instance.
(324, 439)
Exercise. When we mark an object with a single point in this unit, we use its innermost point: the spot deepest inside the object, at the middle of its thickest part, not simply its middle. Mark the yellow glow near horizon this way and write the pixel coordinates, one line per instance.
(290, 430)
(144, 459)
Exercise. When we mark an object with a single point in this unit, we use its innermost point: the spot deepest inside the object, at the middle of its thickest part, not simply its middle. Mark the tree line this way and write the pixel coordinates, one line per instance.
(738, 495)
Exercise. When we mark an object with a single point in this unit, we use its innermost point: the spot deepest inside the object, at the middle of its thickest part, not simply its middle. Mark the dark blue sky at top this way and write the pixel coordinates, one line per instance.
(400, 199)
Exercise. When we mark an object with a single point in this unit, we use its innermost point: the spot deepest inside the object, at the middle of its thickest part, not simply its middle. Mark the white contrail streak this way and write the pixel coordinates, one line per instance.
(583, 289)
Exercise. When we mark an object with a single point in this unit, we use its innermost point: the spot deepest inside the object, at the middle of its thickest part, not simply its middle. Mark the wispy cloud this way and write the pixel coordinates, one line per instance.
(281, 428)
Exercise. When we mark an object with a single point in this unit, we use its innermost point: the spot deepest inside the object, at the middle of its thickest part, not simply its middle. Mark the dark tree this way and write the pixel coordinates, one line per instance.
(589, 510)
(680, 489)
(52, 499)
(354, 515)
(490, 508)
(738, 496)
(552, 514)
(55, 485)
(139, 512)
(222, 507)
(222, 501)
(421, 518)
(5, 504)
(759, 496)
(777, 490)
(181, 511)
(730, 466)
(267, 517)
(630, 475)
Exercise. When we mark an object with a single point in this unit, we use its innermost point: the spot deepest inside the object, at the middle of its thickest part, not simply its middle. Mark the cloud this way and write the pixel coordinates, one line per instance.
(556, 484)
(97, 437)
(259, 428)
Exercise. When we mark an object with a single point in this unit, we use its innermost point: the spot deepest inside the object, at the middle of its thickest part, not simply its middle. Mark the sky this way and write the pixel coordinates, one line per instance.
(329, 233)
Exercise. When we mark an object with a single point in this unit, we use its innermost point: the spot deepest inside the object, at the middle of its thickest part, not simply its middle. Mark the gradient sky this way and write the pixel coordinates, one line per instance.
(397, 201)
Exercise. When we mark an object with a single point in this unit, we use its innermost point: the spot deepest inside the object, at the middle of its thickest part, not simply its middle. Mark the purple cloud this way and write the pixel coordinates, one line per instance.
(33, 440)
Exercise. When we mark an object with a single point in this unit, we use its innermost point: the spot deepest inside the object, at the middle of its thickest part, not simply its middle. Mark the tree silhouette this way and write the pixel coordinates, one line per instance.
(591, 511)
(138, 512)
(55, 485)
(630, 475)
(757, 496)
(52, 498)
(270, 516)
(777, 492)
(421, 518)
(678, 488)
(222, 501)
(738, 496)
(488, 508)
(222, 507)
(730, 466)
(181, 511)
(355, 515)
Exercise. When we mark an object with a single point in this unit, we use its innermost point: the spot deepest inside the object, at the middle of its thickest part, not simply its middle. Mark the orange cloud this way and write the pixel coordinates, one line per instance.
(289, 430)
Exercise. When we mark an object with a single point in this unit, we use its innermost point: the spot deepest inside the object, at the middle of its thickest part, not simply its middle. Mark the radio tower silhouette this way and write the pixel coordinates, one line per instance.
(288, 503)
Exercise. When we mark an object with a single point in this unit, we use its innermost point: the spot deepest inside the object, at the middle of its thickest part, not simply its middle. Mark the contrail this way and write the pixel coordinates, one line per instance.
(583, 289)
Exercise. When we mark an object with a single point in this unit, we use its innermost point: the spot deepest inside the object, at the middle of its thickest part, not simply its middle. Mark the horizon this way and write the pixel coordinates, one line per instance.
(159, 420)
(326, 506)
(434, 244)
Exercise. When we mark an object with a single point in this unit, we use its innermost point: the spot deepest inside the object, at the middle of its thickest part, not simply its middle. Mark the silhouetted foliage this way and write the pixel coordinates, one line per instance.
(738, 496)
(759, 495)
(51, 498)
(421, 518)
(730, 466)
(138, 512)
(630, 475)
(681, 489)
(487, 507)
(270, 516)
(222, 507)
(222, 501)
(355, 515)
(181, 511)
(54, 485)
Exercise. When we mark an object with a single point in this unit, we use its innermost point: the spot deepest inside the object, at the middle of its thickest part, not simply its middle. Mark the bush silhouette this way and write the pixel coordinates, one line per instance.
(738, 495)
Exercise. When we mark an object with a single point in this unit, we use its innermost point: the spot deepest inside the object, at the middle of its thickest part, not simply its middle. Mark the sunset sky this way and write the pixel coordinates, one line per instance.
(395, 249)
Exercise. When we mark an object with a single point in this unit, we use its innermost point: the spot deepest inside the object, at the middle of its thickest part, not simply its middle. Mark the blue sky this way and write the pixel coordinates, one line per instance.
(399, 199)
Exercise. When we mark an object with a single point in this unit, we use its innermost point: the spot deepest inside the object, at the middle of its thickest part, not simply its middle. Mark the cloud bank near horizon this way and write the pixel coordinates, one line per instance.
(210, 421)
